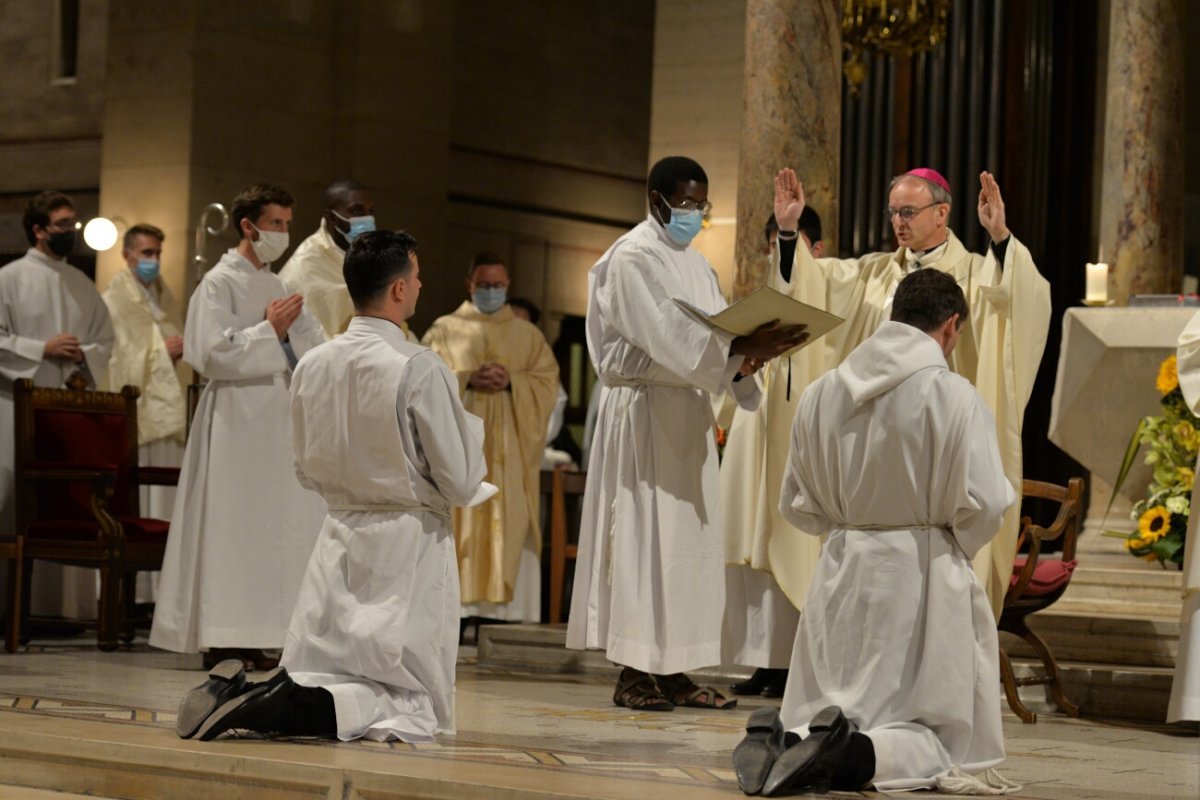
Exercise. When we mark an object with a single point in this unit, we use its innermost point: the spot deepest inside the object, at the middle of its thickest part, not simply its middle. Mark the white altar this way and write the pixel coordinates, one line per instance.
(1104, 386)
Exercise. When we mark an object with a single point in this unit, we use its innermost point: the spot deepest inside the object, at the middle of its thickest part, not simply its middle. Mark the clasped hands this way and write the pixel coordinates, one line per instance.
(490, 377)
(282, 312)
(64, 347)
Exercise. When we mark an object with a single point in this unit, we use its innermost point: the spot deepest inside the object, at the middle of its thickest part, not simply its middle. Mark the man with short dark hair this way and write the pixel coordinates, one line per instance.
(242, 527)
(650, 579)
(315, 269)
(54, 330)
(1002, 341)
(378, 430)
(147, 349)
(895, 462)
(508, 376)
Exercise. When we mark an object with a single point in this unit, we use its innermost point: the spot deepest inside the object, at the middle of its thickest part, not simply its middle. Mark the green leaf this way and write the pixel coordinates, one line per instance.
(1117, 534)
(1165, 547)
(1127, 462)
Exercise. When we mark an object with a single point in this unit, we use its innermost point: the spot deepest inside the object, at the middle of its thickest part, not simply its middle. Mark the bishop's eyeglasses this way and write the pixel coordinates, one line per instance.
(905, 213)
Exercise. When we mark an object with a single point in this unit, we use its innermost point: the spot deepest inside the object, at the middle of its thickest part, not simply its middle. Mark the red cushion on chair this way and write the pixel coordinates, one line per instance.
(144, 530)
(1048, 576)
(139, 530)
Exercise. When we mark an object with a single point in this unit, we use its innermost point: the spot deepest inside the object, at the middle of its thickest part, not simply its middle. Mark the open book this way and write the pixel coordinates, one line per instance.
(762, 306)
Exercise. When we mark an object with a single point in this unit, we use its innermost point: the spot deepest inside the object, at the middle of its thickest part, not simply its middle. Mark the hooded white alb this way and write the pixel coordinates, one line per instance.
(894, 458)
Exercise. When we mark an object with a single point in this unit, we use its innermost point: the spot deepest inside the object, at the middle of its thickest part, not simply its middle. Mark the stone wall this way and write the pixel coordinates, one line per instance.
(50, 134)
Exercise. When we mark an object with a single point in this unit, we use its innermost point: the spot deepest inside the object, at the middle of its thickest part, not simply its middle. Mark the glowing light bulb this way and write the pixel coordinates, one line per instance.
(100, 234)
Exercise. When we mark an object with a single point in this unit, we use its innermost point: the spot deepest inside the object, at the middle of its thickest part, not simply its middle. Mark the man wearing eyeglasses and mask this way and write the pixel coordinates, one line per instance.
(650, 578)
(315, 268)
(243, 526)
(54, 330)
(1001, 344)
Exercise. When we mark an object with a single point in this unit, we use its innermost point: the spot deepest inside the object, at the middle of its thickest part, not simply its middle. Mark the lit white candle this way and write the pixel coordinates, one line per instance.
(1097, 283)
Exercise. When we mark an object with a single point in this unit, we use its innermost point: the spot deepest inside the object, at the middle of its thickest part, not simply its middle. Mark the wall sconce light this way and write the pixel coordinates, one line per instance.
(101, 233)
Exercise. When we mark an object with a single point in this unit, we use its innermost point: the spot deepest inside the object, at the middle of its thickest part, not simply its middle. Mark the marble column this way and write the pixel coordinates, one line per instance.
(1141, 207)
(791, 116)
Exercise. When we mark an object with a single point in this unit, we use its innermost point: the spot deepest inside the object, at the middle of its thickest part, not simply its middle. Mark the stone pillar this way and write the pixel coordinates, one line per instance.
(791, 117)
(696, 107)
(1141, 207)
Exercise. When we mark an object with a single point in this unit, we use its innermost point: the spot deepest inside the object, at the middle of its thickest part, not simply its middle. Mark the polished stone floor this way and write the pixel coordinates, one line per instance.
(561, 731)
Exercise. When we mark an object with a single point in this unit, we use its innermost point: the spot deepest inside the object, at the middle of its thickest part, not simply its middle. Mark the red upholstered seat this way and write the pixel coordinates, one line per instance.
(1047, 576)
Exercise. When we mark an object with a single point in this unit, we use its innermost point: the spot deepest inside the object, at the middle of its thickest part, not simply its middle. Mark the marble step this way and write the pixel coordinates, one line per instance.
(1104, 691)
(79, 757)
(1119, 584)
(1145, 641)
(10, 792)
(1137, 691)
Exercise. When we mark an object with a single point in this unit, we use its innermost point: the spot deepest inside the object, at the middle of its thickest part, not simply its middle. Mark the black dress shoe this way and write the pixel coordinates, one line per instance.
(261, 708)
(752, 685)
(225, 681)
(776, 683)
(754, 755)
(810, 765)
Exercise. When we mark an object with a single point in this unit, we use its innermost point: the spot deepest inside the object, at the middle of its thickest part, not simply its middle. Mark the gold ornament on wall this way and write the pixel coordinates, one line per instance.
(894, 27)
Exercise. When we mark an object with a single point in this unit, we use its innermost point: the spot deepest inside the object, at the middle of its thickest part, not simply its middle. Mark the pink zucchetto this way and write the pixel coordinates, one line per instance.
(931, 175)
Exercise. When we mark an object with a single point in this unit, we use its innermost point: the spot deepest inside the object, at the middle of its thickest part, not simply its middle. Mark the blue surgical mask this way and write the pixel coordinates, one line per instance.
(489, 301)
(358, 225)
(146, 271)
(684, 225)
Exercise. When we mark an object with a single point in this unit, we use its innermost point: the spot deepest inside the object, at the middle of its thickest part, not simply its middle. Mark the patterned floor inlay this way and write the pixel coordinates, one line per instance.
(79, 710)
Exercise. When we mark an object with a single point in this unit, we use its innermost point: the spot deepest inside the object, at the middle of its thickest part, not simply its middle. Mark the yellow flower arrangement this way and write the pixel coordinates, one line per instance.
(1172, 440)
(1154, 524)
(1168, 376)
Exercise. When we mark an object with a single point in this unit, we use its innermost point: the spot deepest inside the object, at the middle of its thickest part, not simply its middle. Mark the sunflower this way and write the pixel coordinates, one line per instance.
(1134, 543)
(1154, 524)
(1168, 376)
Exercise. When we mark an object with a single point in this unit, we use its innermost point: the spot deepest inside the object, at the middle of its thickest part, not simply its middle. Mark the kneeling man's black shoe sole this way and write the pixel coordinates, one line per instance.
(226, 681)
(754, 755)
(258, 709)
(810, 764)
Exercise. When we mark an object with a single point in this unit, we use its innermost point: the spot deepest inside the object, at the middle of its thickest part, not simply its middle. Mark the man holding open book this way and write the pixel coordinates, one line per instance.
(649, 582)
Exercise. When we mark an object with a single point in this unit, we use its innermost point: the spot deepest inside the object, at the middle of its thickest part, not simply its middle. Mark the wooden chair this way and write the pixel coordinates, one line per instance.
(1036, 584)
(10, 553)
(77, 481)
(563, 482)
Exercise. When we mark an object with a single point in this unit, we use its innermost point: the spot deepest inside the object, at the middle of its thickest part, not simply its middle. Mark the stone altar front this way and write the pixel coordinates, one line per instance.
(1105, 385)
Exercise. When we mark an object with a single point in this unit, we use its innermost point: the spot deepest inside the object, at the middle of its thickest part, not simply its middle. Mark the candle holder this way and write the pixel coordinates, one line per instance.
(1096, 303)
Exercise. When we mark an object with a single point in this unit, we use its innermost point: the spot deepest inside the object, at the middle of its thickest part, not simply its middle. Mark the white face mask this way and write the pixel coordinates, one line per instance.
(270, 244)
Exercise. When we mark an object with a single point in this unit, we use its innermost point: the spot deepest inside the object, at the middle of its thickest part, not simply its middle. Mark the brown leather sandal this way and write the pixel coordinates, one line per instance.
(638, 691)
(683, 691)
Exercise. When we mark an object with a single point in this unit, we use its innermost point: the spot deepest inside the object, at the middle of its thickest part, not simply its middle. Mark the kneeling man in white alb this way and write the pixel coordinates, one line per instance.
(379, 431)
(894, 678)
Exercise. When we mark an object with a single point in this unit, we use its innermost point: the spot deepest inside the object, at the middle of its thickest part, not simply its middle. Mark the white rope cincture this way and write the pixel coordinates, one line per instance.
(990, 782)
